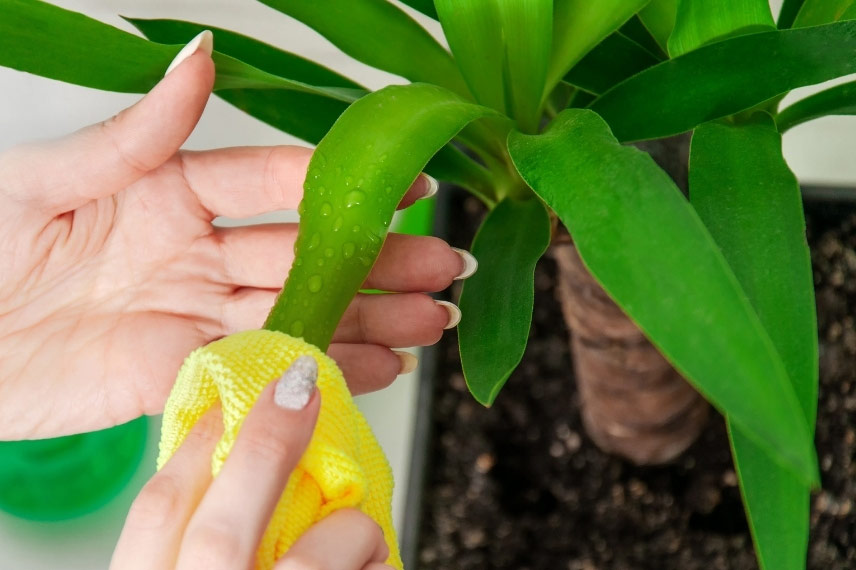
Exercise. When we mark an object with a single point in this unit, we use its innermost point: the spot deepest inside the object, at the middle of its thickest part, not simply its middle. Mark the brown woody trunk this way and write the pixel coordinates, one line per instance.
(634, 403)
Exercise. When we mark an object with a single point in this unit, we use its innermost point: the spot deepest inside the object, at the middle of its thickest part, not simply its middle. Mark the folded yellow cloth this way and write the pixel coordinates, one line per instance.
(344, 465)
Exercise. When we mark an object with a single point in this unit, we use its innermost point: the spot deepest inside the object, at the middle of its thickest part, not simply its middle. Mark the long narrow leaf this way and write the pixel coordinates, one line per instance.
(356, 177)
(790, 9)
(304, 115)
(659, 18)
(750, 202)
(77, 49)
(636, 31)
(699, 22)
(366, 30)
(474, 32)
(527, 31)
(613, 60)
(838, 100)
(725, 78)
(816, 12)
(496, 302)
(579, 25)
(424, 6)
(647, 247)
(249, 50)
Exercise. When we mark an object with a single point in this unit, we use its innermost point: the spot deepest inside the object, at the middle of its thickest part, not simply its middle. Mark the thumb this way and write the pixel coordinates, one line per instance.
(102, 159)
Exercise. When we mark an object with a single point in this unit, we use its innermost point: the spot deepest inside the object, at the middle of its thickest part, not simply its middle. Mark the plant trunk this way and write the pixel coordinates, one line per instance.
(634, 404)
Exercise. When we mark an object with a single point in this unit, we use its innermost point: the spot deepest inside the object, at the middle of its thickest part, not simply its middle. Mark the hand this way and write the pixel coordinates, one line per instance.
(183, 519)
(112, 271)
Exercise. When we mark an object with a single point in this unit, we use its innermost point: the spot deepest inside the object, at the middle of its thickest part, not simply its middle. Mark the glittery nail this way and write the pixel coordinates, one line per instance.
(297, 383)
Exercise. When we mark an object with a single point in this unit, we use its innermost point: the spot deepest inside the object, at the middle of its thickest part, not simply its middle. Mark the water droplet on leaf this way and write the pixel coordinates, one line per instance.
(354, 198)
(315, 283)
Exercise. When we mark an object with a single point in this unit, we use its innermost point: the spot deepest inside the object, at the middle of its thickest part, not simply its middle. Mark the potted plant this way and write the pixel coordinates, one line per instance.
(530, 112)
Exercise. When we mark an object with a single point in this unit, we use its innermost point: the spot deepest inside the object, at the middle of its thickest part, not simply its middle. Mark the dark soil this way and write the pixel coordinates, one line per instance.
(520, 486)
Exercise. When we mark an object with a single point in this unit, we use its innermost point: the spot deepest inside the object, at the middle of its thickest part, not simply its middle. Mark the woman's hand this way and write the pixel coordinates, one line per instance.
(111, 271)
(183, 519)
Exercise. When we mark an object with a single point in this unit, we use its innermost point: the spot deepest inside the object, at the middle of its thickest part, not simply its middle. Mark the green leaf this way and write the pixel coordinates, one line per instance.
(378, 34)
(424, 6)
(305, 115)
(700, 22)
(647, 247)
(816, 12)
(776, 502)
(453, 166)
(527, 31)
(636, 31)
(496, 302)
(659, 18)
(790, 9)
(356, 178)
(613, 60)
(838, 100)
(579, 25)
(77, 49)
(249, 50)
(474, 32)
(750, 201)
(725, 78)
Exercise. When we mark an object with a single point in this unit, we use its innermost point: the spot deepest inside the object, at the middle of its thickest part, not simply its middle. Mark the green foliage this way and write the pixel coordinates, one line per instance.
(612, 61)
(720, 283)
(510, 241)
(718, 342)
(725, 78)
(356, 178)
(737, 173)
(838, 100)
(816, 12)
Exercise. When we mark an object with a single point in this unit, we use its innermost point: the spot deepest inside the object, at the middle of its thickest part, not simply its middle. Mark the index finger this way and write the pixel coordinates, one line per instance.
(228, 525)
(241, 182)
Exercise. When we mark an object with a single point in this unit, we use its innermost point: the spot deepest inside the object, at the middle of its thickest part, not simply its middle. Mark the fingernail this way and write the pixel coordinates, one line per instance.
(204, 41)
(454, 313)
(408, 361)
(470, 263)
(433, 186)
(296, 385)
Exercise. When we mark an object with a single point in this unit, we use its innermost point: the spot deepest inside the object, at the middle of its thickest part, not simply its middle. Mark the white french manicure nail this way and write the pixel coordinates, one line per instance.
(433, 186)
(296, 385)
(454, 314)
(470, 263)
(204, 41)
(408, 361)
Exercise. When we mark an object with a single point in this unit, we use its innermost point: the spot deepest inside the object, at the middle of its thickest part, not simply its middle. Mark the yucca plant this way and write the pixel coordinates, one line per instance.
(530, 111)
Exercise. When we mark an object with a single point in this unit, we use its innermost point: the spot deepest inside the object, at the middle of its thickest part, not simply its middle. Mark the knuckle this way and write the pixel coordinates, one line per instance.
(213, 545)
(269, 442)
(280, 173)
(158, 505)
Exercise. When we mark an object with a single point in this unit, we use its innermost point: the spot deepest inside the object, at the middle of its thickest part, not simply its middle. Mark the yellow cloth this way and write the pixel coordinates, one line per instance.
(344, 465)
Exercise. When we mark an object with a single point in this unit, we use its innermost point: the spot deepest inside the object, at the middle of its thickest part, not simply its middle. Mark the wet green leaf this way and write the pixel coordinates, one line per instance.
(356, 178)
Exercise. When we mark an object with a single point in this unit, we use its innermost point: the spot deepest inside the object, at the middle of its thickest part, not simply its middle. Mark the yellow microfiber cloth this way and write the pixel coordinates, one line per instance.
(343, 466)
